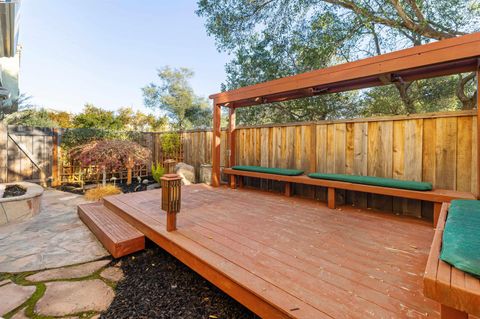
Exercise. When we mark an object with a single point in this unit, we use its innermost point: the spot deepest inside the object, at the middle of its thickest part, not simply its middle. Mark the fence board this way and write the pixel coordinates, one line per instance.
(439, 148)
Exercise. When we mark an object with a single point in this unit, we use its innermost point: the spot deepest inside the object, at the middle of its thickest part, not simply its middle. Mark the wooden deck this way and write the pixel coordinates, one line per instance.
(116, 235)
(291, 257)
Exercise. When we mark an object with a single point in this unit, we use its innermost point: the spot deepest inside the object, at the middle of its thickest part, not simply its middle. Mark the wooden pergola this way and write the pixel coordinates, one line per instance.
(446, 57)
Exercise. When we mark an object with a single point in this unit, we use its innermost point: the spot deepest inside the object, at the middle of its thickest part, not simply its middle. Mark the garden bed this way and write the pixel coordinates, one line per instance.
(157, 285)
(134, 187)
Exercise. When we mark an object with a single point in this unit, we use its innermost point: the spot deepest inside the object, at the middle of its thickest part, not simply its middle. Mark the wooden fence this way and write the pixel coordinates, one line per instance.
(439, 148)
(25, 153)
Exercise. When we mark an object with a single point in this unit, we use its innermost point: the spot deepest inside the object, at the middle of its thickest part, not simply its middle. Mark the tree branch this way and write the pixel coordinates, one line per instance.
(406, 23)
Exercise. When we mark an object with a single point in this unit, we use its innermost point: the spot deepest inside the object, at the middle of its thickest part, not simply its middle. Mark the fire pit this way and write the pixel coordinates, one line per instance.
(20, 207)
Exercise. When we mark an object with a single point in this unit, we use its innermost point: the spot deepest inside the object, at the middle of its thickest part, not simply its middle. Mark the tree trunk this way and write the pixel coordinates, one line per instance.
(104, 177)
(468, 103)
(129, 171)
(404, 95)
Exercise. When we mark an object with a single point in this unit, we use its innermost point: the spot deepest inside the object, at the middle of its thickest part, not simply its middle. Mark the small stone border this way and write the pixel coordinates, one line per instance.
(21, 207)
(103, 273)
(33, 190)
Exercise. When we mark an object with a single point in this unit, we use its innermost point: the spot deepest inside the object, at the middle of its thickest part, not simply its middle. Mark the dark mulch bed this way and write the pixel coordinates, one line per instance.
(14, 190)
(157, 285)
(134, 187)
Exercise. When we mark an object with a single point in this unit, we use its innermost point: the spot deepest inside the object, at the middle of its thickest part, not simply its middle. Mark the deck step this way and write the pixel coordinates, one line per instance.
(116, 235)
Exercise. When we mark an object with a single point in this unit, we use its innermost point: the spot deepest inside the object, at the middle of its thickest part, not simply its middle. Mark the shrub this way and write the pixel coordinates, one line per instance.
(102, 191)
(111, 155)
(78, 136)
(157, 172)
(170, 143)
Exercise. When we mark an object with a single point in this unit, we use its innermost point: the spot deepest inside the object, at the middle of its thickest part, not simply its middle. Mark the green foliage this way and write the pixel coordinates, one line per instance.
(95, 117)
(157, 172)
(176, 98)
(31, 117)
(170, 143)
(272, 39)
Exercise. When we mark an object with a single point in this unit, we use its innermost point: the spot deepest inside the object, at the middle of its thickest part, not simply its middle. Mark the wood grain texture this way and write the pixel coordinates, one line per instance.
(328, 264)
(116, 235)
(447, 285)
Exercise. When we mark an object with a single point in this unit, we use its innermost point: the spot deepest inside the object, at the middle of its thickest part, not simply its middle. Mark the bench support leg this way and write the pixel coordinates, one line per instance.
(288, 189)
(437, 207)
(331, 198)
(233, 182)
(450, 313)
(240, 181)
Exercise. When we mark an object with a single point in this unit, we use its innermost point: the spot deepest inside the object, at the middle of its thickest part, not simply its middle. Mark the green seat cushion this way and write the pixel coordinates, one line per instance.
(461, 236)
(269, 170)
(375, 181)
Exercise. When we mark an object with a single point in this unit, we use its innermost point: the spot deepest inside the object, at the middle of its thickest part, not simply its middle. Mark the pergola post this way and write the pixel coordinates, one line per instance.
(231, 142)
(478, 129)
(216, 144)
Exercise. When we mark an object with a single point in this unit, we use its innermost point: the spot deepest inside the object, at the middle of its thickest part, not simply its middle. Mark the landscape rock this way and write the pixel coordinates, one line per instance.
(77, 271)
(13, 295)
(186, 172)
(112, 274)
(69, 297)
(206, 174)
(153, 186)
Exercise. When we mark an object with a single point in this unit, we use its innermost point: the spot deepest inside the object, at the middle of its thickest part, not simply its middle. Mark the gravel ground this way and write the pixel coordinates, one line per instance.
(157, 285)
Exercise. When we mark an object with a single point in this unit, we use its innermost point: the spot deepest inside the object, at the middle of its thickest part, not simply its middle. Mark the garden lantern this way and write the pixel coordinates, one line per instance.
(171, 198)
(169, 166)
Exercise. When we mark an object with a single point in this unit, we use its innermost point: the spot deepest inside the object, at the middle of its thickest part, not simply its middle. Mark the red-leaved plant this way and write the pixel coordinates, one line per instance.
(112, 155)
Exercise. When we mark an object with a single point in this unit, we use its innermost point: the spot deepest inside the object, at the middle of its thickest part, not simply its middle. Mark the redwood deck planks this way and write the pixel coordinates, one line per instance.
(345, 263)
(116, 235)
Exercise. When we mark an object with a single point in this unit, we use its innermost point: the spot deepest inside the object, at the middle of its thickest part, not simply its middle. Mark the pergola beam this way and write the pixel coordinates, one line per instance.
(446, 57)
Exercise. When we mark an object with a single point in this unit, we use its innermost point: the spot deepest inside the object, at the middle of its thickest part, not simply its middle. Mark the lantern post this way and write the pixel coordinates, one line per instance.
(169, 166)
(171, 198)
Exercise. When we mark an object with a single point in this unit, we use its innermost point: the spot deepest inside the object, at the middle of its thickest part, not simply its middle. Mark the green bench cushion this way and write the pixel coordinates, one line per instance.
(269, 170)
(375, 181)
(461, 236)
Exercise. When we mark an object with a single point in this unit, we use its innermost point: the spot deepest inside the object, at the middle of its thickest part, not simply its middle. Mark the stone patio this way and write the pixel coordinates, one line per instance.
(54, 238)
(79, 291)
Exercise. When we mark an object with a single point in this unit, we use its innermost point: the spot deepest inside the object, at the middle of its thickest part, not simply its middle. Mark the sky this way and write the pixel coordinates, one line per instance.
(104, 51)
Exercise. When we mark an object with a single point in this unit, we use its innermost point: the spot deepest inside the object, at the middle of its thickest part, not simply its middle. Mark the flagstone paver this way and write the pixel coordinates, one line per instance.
(112, 274)
(20, 315)
(4, 282)
(69, 297)
(55, 237)
(13, 295)
(77, 271)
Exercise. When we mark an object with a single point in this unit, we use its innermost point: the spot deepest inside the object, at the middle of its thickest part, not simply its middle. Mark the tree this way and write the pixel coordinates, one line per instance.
(31, 117)
(62, 118)
(111, 155)
(294, 36)
(138, 121)
(21, 103)
(175, 97)
(95, 117)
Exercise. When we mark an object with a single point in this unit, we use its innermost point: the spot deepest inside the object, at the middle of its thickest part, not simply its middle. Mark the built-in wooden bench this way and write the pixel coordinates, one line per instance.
(456, 291)
(437, 196)
(116, 235)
